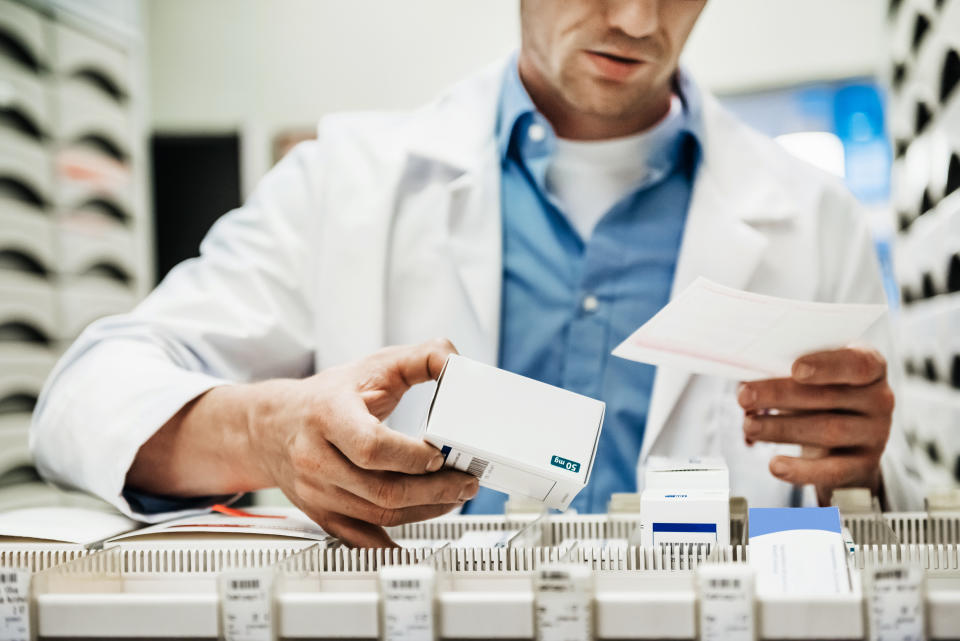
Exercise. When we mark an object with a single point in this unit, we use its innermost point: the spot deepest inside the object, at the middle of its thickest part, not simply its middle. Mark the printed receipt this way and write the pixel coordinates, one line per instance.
(563, 609)
(14, 604)
(246, 606)
(720, 331)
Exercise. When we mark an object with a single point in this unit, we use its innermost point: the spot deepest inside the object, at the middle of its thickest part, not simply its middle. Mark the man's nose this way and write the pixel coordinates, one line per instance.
(636, 18)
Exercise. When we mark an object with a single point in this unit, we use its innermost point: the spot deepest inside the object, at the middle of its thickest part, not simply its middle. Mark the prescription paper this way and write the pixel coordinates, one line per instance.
(283, 522)
(79, 526)
(720, 331)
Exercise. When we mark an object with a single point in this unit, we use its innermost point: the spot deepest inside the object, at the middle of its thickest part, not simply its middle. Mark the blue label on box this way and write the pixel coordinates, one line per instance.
(765, 520)
(559, 461)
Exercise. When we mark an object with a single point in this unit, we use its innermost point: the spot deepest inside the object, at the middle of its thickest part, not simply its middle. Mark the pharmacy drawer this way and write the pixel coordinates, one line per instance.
(23, 369)
(28, 299)
(76, 52)
(88, 241)
(84, 299)
(26, 27)
(83, 110)
(14, 444)
(26, 162)
(28, 230)
(24, 92)
(85, 174)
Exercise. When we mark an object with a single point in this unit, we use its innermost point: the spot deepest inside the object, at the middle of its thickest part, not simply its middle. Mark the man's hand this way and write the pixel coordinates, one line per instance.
(838, 406)
(322, 442)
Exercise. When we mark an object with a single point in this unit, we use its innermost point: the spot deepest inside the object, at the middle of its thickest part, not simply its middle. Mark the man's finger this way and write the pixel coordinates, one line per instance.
(357, 534)
(788, 394)
(371, 445)
(836, 470)
(418, 363)
(820, 429)
(396, 490)
(343, 502)
(848, 366)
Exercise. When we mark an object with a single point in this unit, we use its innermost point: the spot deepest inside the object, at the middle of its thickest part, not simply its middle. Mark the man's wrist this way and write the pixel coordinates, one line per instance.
(239, 408)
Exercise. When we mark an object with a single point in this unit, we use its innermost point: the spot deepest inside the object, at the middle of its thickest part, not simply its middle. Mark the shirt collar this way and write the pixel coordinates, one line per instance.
(517, 113)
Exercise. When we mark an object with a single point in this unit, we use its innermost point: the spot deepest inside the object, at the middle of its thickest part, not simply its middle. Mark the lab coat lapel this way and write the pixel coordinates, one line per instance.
(718, 241)
(717, 245)
(475, 243)
(457, 141)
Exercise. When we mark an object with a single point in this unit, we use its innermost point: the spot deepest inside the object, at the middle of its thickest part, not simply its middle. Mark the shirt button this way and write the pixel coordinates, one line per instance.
(590, 303)
(536, 132)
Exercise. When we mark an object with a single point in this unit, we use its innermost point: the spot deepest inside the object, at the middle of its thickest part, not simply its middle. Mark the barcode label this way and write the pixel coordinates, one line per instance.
(895, 602)
(407, 603)
(245, 584)
(14, 604)
(477, 466)
(725, 592)
(246, 606)
(563, 608)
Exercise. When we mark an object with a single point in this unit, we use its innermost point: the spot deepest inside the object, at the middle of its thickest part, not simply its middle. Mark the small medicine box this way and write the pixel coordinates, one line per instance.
(685, 502)
(515, 434)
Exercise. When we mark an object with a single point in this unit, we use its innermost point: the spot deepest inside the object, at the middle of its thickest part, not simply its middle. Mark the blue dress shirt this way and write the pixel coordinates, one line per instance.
(567, 303)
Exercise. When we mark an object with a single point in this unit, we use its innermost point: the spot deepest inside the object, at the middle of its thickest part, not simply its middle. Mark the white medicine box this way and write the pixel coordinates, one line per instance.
(685, 502)
(515, 434)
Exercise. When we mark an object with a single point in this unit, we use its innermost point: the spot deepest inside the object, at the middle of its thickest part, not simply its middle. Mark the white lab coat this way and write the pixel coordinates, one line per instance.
(387, 230)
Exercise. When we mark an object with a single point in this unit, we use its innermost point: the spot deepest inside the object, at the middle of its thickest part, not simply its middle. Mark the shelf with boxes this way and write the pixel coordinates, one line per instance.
(95, 159)
(74, 229)
(924, 77)
(479, 586)
(29, 314)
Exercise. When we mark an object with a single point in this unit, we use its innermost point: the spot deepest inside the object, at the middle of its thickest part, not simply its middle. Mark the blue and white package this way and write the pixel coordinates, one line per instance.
(798, 550)
(685, 502)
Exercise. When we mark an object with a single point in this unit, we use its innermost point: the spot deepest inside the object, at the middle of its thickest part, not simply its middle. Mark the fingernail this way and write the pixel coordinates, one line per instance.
(803, 371)
(435, 463)
(779, 468)
(751, 427)
(746, 395)
(469, 490)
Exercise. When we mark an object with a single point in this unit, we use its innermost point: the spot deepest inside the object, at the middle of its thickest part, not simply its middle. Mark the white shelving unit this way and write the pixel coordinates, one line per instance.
(924, 79)
(174, 589)
(74, 223)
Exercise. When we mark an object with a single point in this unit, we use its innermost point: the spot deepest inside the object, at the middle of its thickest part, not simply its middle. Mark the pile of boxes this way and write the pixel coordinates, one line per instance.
(74, 230)
(924, 78)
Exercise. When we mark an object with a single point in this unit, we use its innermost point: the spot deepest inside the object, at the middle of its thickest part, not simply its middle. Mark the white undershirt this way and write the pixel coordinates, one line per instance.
(590, 177)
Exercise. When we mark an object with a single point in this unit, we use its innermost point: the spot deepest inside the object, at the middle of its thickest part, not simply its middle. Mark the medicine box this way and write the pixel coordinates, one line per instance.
(685, 502)
(515, 434)
(799, 550)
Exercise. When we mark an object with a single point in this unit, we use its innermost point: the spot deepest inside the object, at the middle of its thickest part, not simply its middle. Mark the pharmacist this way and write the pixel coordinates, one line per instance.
(534, 215)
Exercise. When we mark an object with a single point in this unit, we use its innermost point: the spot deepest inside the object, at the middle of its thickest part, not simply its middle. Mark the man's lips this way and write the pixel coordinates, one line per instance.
(614, 66)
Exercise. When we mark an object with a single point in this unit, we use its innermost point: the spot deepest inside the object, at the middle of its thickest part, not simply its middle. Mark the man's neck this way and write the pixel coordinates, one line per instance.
(572, 124)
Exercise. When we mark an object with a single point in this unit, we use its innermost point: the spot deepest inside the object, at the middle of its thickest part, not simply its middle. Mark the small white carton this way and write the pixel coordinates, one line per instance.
(515, 434)
(685, 502)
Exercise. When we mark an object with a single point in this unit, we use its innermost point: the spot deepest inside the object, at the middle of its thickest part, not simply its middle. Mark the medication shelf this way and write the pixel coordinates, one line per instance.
(164, 590)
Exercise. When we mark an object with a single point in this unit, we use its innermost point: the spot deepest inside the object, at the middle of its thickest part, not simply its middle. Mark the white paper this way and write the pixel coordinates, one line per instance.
(726, 595)
(246, 605)
(75, 525)
(564, 603)
(407, 603)
(14, 604)
(895, 602)
(720, 331)
(265, 521)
